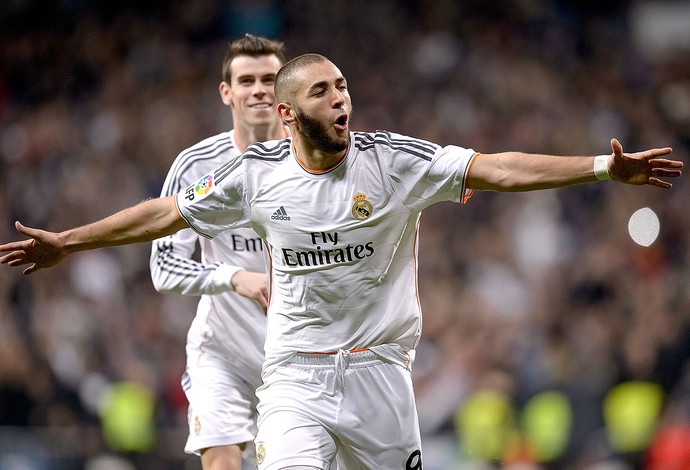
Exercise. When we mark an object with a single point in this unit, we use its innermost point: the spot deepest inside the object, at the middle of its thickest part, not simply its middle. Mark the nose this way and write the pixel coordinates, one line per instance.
(338, 98)
(259, 89)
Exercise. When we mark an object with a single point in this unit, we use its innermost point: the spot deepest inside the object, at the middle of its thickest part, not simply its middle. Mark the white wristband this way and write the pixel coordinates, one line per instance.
(601, 167)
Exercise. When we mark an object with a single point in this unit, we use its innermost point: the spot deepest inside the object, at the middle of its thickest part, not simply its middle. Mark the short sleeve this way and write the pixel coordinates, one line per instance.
(215, 202)
(423, 173)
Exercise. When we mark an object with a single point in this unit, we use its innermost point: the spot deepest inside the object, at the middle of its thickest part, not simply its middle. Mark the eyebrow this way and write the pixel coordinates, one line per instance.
(251, 75)
(324, 84)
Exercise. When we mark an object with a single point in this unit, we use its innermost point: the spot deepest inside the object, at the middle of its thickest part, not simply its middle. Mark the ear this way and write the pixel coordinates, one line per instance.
(286, 113)
(225, 93)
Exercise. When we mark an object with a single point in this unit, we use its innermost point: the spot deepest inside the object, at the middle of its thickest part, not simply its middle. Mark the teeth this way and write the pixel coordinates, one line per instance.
(261, 106)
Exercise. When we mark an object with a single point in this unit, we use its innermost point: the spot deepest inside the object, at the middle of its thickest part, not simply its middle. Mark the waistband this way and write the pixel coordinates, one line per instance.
(333, 353)
(354, 357)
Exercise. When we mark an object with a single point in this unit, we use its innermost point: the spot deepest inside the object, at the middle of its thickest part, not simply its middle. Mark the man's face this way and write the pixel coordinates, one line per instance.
(251, 94)
(323, 107)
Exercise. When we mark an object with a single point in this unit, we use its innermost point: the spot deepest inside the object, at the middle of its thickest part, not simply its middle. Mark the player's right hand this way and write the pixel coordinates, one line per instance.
(42, 250)
(646, 167)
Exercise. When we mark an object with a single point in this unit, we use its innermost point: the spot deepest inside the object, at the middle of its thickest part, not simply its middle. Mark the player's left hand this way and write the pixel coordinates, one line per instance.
(643, 167)
(42, 250)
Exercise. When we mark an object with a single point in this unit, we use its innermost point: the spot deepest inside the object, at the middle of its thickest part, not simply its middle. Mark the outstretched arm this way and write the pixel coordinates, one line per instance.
(144, 222)
(515, 171)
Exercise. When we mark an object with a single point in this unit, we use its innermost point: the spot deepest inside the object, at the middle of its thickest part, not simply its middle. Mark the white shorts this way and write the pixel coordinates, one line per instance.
(222, 408)
(354, 407)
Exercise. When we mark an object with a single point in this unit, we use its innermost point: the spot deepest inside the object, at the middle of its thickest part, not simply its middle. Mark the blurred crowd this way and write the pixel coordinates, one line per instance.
(550, 339)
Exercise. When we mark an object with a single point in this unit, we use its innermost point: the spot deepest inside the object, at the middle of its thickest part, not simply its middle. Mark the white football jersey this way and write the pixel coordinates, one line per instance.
(342, 243)
(227, 325)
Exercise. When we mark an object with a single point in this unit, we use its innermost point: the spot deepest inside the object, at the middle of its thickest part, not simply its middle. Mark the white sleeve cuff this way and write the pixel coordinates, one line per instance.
(222, 276)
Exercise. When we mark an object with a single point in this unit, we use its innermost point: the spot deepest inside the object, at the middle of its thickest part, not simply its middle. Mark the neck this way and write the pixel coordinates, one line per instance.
(313, 159)
(246, 135)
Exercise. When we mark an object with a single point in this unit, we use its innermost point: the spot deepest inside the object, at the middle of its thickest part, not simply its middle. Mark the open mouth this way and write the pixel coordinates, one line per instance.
(341, 122)
(260, 106)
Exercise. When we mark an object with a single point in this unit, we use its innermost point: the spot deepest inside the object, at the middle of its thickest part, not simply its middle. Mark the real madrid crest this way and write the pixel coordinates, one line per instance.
(260, 453)
(361, 209)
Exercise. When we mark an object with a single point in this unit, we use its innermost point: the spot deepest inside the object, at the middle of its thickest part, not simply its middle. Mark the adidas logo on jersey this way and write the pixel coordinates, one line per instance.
(280, 214)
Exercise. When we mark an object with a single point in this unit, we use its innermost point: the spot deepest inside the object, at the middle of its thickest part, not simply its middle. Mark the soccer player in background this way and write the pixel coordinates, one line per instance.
(339, 211)
(226, 338)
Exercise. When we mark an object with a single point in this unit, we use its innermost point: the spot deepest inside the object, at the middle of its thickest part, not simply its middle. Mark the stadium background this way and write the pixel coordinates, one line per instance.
(551, 340)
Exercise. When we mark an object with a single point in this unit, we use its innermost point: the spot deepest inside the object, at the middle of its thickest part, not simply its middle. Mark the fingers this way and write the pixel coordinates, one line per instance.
(662, 163)
(665, 173)
(24, 230)
(262, 298)
(18, 261)
(19, 258)
(662, 168)
(13, 246)
(659, 183)
(31, 269)
(20, 228)
(13, 258)
(6, 247)
(656, 153)
(16, 258)
(647, 154)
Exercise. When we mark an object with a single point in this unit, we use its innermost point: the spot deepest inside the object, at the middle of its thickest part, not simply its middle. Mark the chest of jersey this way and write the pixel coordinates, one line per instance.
(312, 222)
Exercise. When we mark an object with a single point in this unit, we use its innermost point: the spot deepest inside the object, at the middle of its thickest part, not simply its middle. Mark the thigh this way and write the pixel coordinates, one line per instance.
(227, 457)
(294, 410)
(378, 425)
(222, 408)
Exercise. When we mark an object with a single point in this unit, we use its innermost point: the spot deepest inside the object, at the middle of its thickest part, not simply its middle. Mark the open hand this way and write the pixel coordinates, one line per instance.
(643, 167)
(42, 250)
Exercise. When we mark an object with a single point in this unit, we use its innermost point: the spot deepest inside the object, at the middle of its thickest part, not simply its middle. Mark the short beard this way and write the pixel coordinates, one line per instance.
(317, 134)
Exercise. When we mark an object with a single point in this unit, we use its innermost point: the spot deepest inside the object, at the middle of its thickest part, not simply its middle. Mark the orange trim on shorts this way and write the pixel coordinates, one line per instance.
(356, 350)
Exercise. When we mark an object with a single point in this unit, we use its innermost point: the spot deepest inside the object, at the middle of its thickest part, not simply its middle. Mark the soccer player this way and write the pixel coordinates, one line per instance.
(339, 211)
(225, 341)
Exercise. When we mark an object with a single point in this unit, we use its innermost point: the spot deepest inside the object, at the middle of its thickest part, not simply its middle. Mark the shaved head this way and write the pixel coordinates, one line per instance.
(286, 79)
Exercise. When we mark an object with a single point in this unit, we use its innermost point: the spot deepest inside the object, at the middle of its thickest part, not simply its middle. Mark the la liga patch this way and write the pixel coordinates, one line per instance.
(204, 185)
(198, 190)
